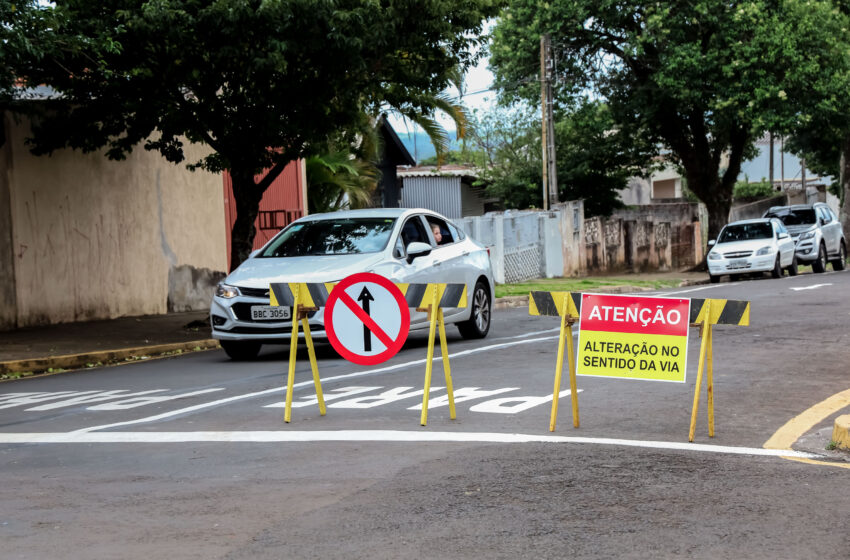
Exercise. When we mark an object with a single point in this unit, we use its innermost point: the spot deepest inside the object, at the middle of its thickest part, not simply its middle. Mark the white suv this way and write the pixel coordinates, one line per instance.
(817, 232)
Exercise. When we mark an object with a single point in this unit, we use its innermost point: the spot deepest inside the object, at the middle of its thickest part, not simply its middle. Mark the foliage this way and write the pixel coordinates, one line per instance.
(463, 156)
(338, 181)
(594, 160)
(581, 285)
(259, 82)
(744, 190)
(701, 79)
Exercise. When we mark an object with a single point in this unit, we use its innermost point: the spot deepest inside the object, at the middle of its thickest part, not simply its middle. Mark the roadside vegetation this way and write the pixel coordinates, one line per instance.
(580, 285)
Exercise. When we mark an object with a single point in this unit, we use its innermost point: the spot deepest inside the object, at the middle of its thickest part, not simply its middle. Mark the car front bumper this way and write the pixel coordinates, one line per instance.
(762, 263)
(231, 320)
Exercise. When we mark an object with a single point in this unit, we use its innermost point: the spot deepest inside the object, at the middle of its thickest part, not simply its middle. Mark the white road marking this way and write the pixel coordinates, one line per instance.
(235, 398)
(700, 288)
(398, 436)
(812, 287)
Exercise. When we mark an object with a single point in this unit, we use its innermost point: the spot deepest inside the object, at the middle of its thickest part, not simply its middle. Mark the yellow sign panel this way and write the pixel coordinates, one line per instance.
(655, 357)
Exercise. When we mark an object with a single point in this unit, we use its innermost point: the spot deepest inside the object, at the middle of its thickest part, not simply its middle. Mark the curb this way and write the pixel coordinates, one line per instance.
(841, 432)
(103, 357)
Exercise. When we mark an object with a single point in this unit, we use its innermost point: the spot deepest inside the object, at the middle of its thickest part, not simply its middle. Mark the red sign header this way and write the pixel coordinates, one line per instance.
(635, 314)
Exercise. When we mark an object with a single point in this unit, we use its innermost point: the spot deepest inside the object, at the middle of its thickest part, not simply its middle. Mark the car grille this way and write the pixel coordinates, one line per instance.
(254, 292)
(737, 254)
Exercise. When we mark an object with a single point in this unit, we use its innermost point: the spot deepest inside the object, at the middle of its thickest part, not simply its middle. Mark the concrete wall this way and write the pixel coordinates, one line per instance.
(652, 237)
(94, 238)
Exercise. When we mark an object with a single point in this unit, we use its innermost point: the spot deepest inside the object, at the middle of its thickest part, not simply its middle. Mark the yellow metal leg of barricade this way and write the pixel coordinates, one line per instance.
(705, 348)
(710, 383)
(565, 337)
(447, 368)
(317, 382)
(293, 353)
(299, 314)
(429, 364)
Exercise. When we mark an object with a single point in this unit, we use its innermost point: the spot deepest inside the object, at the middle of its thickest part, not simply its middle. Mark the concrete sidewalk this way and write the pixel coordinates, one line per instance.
(56, 348)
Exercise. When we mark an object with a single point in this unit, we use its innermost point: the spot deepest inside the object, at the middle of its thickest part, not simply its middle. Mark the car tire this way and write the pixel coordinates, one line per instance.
(478, 324)
(792, 270)
(240, 351)
(777, 269)
(713, 279)
(820, 263)
(841, 261)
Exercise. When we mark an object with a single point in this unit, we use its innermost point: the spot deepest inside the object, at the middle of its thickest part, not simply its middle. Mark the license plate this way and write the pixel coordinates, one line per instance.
(269, 313)
(738, 263)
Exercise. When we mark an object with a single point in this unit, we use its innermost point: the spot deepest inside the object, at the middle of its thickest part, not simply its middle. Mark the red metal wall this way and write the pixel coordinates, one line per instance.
(282, 204)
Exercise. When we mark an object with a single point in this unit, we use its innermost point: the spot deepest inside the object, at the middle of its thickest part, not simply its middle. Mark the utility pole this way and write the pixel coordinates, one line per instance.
(550, 179)
(773, 188)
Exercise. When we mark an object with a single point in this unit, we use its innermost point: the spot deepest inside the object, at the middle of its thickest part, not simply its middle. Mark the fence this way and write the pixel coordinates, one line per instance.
(536, 244)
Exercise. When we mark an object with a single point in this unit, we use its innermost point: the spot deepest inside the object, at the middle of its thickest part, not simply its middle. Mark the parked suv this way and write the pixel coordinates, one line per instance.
(817, 232)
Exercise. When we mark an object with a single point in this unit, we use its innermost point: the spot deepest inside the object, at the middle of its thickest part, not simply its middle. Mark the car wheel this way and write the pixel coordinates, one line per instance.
(713, 279)
(792, 270)
(240, 351)
(478, 324)
(777, 269)
(840, 262)
(820, 263)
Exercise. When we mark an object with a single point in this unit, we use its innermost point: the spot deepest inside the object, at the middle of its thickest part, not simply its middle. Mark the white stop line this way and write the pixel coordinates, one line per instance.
(396, 436)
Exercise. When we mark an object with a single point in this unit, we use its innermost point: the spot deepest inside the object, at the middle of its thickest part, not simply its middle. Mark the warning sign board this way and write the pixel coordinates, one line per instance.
(367, 319)
(633, 337)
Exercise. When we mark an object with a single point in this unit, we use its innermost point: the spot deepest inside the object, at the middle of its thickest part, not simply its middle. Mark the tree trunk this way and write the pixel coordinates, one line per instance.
(247, 195)
(844, 178)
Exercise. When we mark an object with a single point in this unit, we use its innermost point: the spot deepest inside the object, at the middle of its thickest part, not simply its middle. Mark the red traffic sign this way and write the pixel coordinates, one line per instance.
(366, 319)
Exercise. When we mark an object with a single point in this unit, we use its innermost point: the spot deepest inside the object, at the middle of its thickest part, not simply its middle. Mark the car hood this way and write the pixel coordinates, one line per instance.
(260, 272)
(796, 230)
(749, 245)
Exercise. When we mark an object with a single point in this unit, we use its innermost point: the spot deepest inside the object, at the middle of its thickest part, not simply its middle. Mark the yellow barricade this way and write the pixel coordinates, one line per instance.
(704, 314)
(429, 298)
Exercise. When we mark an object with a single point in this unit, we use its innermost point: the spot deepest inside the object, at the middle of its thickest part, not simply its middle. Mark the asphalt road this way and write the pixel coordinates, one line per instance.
(189, 457)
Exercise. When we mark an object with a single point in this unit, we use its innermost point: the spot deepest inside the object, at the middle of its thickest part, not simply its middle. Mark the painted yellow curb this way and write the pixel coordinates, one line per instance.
(788, 434)
(76, 361)
(841, 432)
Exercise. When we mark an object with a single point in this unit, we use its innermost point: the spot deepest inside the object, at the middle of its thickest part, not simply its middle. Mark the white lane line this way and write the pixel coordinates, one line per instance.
(282, 389)
(700, 288)
(376, 436)
(812, 287)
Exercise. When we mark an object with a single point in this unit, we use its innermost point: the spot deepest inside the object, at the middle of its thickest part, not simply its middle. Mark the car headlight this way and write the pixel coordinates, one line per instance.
(807, 235)
(226, 291)
(764, 251)
(714, 256)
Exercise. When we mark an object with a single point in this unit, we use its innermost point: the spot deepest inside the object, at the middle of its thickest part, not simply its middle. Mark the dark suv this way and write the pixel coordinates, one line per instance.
(817, 232)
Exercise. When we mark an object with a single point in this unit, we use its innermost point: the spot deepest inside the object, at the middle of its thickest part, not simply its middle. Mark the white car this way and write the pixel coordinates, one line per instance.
(749, 246)
(403, 245)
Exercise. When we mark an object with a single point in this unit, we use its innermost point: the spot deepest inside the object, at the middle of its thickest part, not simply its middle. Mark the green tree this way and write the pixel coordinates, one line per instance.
(700, 79)
(821, 133)
(260, 82)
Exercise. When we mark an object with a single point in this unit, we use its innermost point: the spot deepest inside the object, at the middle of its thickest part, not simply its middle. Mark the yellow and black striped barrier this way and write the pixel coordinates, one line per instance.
(430, 298)
(704, 313)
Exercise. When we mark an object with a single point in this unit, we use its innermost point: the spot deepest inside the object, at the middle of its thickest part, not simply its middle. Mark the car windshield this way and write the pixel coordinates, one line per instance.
(332, 237)
(745, 232)
(795, 217)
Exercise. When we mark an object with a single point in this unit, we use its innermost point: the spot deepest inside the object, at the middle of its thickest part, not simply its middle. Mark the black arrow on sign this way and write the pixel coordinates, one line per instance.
(366, 297)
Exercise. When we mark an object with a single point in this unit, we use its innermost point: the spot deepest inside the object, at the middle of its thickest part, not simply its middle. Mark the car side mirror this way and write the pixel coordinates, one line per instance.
(711, 243)
(417, 249)
(783, 235)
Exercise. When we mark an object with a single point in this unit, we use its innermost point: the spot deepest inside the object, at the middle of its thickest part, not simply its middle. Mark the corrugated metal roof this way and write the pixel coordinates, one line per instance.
(443, 171)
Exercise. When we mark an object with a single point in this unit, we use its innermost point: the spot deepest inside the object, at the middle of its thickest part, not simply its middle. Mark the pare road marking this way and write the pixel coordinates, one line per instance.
(391, 436)
(376, 371)
(812, 287)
